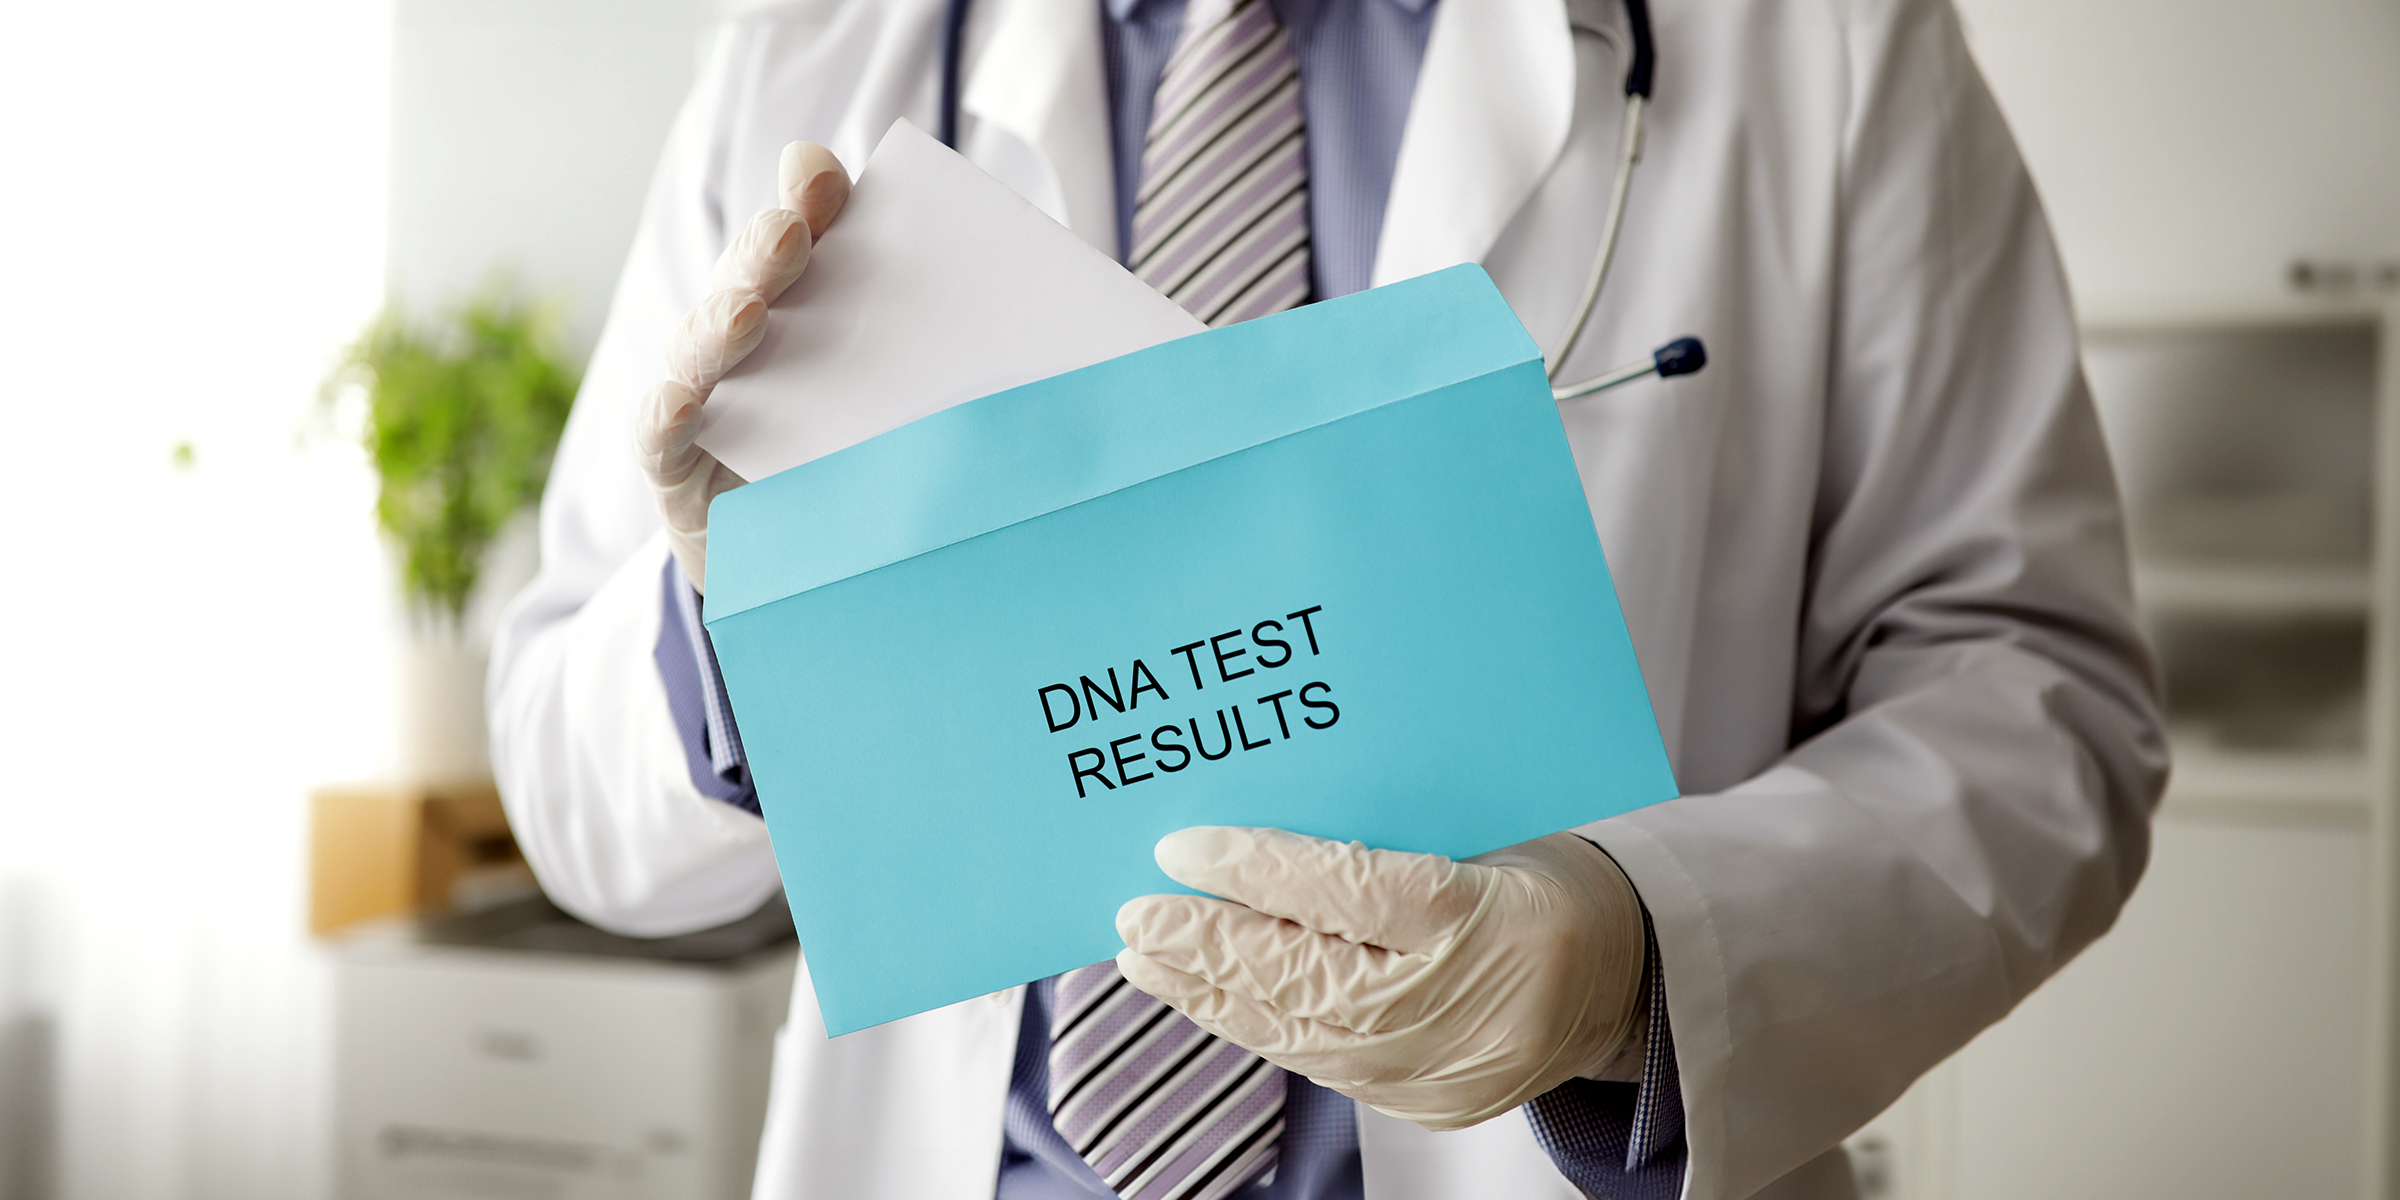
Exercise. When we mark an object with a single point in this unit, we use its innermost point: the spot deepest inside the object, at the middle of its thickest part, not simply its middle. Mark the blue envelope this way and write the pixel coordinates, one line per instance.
(1330, 571)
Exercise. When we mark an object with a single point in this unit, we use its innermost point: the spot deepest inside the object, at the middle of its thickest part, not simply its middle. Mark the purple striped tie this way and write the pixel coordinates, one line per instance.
(1220, 224)
(1161, 1109)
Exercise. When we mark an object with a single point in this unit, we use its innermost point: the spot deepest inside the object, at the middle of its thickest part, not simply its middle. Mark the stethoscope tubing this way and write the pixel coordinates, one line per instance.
(1629, 152)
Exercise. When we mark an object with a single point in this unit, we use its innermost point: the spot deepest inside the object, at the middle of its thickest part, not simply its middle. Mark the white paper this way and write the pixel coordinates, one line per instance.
(936, 286)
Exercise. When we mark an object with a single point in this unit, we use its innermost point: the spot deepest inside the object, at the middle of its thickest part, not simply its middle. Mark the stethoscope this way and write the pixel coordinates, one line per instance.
(1683, 356)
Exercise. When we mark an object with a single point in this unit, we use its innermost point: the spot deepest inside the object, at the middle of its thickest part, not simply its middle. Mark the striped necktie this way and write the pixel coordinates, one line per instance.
(1160, 1108)
(1220, 224)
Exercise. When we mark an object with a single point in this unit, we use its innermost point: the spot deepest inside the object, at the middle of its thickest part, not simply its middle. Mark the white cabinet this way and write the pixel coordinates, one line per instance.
(2225, 1040)
(537, 1058)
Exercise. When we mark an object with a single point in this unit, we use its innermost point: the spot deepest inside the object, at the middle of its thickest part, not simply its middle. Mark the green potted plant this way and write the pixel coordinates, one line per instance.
(462, 415)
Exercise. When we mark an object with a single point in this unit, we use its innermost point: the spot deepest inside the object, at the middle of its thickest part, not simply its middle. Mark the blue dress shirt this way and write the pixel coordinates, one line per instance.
(1358, 73)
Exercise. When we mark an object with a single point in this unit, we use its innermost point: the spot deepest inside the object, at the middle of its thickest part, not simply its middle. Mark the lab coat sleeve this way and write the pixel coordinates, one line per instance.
(1976, 747)
(587, 752)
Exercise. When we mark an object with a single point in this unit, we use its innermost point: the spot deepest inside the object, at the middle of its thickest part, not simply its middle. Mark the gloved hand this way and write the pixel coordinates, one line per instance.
(762, 261)
(1443, 992)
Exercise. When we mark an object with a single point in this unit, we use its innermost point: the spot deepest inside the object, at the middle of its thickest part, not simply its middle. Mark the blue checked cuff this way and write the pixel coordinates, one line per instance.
(1622, 1141)
(687, 665)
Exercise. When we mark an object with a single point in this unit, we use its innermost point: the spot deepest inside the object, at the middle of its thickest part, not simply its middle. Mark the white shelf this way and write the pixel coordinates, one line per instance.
(2253, 588)
(2104, 323)
(2308, 788)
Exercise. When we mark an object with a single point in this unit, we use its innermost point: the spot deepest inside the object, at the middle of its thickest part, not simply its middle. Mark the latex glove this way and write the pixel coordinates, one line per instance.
(762, 261)
(1439, 991)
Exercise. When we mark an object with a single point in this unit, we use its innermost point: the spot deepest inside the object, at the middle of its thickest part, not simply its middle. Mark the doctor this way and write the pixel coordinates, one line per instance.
(1871, 561)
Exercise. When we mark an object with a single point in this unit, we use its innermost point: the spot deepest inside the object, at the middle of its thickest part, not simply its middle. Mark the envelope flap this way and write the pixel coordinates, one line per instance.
(1018, 454)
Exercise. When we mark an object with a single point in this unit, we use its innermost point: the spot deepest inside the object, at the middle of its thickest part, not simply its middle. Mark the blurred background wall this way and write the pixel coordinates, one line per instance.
(191, 219)
(2189, 149)
(522, 137)
(205, 201)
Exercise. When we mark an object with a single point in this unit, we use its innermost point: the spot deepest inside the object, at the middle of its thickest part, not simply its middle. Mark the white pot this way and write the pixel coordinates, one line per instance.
(443, 738)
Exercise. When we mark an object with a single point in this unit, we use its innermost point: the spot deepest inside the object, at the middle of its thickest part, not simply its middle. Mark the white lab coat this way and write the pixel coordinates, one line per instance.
(1871, 558)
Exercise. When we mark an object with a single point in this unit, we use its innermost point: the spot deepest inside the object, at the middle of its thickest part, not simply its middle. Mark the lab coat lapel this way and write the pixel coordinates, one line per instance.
(913, 1108)
(1494, 101)
(1035, 73)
